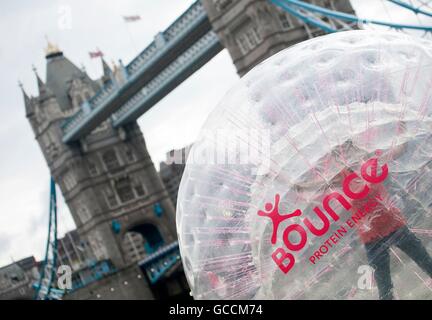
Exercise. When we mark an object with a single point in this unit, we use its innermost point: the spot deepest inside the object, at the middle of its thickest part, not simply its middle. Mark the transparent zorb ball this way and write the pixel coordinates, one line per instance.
(312, 173)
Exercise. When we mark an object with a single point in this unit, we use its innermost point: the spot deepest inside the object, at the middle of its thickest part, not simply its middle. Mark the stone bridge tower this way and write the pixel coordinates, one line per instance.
(117, 200)
(253, 30)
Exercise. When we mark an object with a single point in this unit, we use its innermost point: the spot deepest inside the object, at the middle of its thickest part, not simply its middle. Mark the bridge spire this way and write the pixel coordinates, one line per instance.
(43, 89)
(106, 68)
(108, 74)
(27, 101)
(51, 49)
(26, 97)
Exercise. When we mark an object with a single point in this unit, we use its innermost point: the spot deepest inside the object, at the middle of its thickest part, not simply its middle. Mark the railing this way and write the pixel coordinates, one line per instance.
(195, 12)
(102, 94)
(177, 67)
(158, 263)
(73, 121)
(184, 24)
(94, 272)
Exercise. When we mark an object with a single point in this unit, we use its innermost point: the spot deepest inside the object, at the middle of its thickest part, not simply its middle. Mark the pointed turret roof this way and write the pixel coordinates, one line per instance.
(27, 101)
(106, 68)
(59, 74)
(26, 97)
(44, 91)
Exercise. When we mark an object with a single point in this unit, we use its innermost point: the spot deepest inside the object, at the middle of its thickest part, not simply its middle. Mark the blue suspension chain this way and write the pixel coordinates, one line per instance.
(292, 7)
(47, 274)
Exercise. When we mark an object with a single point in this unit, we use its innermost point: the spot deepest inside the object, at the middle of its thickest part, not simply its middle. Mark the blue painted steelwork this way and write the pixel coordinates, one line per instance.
(95, 271)
(157, 70)
(168, 79)
(344, 16)
(309, 20)
(158, 210)
(48, 271)
(148, 248)
(156, 265)
(54, 294)
(408, 6)
(116, 226)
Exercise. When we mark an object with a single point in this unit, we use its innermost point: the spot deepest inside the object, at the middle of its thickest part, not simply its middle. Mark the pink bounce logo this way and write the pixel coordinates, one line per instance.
(283, 257)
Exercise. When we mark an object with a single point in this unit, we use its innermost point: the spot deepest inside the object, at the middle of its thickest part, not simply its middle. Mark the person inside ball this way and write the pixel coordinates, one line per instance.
(385, 226)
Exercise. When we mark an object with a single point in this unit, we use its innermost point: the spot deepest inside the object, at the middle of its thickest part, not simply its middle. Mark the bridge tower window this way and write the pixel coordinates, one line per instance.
(79, 100)
(221, 5)
(284, 21)
(93, 169)
(248, 37)
(69, 180)
(110, 159)
(83, 213)
(87, 95)
(130, 155)
(111, 198)
(124, 190)
(139, 190)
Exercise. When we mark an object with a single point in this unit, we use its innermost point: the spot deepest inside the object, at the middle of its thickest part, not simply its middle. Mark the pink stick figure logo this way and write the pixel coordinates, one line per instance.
(272, 212)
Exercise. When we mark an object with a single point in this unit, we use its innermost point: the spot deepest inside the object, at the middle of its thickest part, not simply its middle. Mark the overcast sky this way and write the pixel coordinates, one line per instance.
(78, 27)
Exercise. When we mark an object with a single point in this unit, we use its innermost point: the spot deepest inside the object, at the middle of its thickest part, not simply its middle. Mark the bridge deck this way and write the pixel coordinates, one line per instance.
(171, 58)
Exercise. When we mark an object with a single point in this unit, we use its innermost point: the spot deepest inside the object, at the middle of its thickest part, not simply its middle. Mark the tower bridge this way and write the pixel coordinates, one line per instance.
(96, 152)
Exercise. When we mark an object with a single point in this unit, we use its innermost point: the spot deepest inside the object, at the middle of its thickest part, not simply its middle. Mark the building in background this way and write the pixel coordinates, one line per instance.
(17, 279)
(171, 170)
(72, 251)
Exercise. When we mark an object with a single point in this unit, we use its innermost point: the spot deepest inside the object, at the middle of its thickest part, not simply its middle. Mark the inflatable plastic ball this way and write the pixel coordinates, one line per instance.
(312, 178)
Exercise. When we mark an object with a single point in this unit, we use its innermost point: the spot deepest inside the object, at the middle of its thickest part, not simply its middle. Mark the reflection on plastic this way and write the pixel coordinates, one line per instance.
(344, 183)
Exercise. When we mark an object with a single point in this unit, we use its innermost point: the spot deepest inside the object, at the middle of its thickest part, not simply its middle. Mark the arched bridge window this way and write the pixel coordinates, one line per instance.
(142, 240)
(152, 238)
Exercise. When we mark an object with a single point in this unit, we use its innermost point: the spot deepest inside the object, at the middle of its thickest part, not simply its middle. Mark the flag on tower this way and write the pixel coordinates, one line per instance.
(96, 54)
(131, 18)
